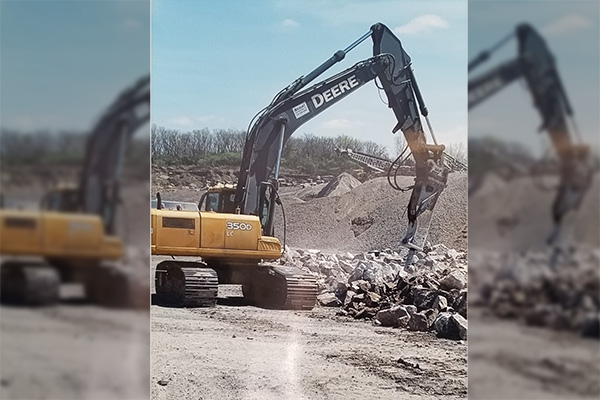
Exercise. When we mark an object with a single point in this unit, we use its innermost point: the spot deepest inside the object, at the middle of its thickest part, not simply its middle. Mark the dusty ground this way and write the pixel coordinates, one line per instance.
(508, 360)
(73, 351)
(76, 350)
(235, 351)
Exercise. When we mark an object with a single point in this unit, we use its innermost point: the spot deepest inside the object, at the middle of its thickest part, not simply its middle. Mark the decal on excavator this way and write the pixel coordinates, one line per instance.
(300, 110)
(242, 226)
(344, 86)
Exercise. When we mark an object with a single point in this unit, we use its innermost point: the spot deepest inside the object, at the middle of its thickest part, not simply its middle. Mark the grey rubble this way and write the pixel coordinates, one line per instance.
(524, 286)
(428, 295)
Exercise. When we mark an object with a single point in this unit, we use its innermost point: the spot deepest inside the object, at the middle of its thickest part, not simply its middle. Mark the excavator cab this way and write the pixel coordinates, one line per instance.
(62, 198)
(220, 199)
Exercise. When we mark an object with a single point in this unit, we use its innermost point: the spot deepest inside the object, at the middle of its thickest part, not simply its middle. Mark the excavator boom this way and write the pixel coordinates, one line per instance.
(295, 105)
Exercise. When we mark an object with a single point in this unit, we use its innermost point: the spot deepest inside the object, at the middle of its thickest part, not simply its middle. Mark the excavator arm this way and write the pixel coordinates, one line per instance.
(98, 190)
(536, 65)
(256, 192)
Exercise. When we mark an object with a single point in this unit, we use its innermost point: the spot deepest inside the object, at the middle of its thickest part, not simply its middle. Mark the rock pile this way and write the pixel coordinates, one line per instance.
(370, 216)
(340, 185)
(526, 287)
(430, 294)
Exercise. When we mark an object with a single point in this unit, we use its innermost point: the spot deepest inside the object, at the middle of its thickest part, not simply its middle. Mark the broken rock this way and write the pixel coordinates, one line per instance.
(456, 279)
(329, 300)
(391, 316)
(419, 322)
(440, 303)
(451, 326)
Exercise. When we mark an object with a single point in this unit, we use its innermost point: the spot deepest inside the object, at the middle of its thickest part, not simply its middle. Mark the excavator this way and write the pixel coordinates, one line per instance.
(234, 236)
(536, 65)
(74, 233)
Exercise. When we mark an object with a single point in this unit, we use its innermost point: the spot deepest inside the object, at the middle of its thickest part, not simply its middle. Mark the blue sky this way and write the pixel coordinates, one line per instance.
(216, 64)
(64, 62)
(571, 30)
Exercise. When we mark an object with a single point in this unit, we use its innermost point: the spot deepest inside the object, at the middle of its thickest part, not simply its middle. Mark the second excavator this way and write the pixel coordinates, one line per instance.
(235, 235)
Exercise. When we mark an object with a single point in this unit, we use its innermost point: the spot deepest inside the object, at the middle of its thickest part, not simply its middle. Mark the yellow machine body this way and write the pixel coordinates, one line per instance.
(211, 235)
(53, 234)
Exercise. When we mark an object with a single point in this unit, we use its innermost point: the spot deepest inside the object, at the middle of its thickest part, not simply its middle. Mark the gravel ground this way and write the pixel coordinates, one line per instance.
(235, 351)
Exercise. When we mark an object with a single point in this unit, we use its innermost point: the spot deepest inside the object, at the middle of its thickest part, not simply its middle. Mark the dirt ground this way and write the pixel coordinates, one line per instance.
(508, 360)
(76, 350)
(236, 351)
(73, 351)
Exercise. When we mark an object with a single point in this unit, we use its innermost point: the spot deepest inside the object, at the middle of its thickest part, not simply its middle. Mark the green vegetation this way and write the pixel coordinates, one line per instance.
(306, 154)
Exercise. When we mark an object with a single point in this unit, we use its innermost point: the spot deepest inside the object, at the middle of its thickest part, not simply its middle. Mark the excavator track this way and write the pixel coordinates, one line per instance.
(29, 284)
(187, 284)
(282, 287)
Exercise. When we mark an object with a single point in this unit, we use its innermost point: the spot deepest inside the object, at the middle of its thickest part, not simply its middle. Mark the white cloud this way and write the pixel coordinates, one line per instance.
(567, 24)
(366, 13)
(422, 24)
(181, 121)
(289, 23)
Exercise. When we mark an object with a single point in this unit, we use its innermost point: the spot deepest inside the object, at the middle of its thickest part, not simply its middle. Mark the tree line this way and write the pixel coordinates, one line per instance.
(65, 148)
(305, 153)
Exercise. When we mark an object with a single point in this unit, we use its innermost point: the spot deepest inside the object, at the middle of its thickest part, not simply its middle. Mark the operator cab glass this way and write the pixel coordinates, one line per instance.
(60, 200)
(212, 202)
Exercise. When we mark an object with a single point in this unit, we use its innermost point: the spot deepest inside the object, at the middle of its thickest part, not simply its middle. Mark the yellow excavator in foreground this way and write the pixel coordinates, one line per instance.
(73, 232)
(234, 235)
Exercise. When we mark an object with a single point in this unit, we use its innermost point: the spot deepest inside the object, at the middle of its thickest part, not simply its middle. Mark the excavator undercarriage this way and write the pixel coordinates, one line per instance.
(267, 285)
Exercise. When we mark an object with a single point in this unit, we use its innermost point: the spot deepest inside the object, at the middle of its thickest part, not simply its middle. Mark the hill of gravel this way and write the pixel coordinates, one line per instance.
(516, 216)
(339, 186)
(370, 216)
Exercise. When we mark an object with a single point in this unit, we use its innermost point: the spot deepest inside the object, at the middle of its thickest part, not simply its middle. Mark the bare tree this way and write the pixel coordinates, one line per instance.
(458, 151)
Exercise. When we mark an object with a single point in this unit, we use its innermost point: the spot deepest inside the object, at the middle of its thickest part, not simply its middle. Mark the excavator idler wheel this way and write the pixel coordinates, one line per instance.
(282, 288)
(29, 284)
(186, 284)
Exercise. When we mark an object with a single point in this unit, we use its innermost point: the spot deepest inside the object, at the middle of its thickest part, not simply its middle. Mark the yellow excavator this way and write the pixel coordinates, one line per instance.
(233, 233)
(74, 231)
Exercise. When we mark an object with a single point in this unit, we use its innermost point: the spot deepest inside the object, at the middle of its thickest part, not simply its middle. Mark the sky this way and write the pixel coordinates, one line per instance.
(216, 64)
(63, 62)
(571, 31)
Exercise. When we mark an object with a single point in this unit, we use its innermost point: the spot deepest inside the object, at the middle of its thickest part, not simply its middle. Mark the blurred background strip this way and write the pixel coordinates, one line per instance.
(534, 209)
(74, 226)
